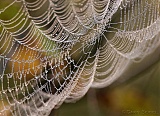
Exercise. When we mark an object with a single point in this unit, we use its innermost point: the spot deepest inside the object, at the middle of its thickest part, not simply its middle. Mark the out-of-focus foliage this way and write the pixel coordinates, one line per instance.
(138, 96)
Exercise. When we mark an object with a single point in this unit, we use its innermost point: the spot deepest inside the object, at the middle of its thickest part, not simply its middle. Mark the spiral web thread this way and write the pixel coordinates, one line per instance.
(53, 51)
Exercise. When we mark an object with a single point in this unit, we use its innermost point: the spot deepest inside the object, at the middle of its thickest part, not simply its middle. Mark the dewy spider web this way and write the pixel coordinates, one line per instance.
(53, 51)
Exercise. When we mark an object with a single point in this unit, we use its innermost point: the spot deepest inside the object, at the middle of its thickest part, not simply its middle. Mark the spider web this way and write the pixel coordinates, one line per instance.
(53, 51)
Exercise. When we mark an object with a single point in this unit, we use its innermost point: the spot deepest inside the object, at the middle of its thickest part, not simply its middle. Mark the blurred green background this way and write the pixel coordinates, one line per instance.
(139, 96)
